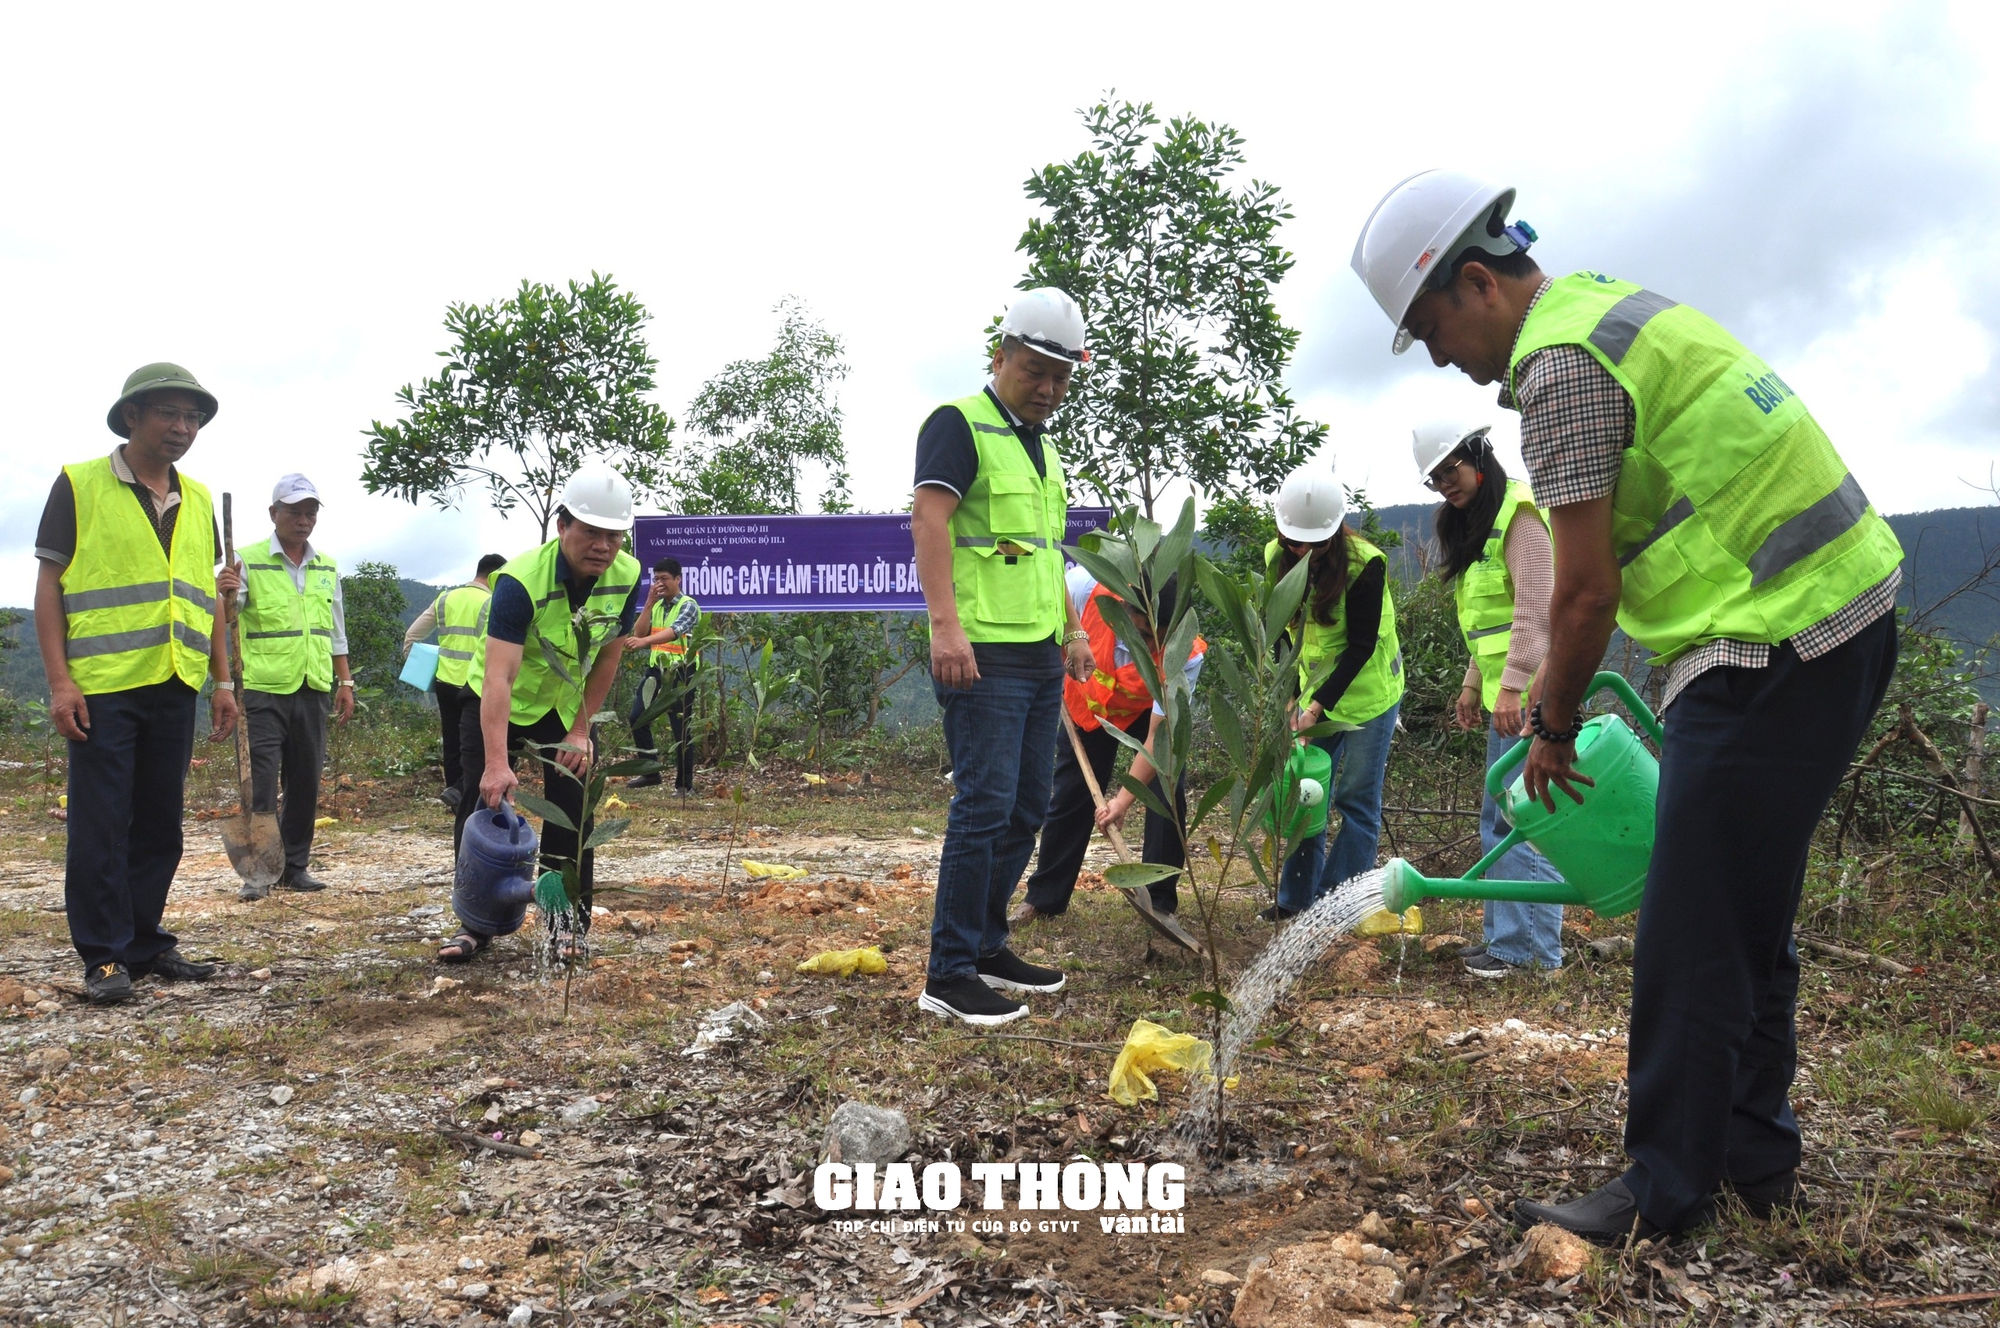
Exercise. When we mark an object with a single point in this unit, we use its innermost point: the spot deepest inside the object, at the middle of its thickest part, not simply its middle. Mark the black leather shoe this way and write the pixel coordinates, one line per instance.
(1606, 1216)
(450, 797)
(643, 781)
(173, 968)
(107, 984)
(302, 881)
(1277, 913)
(1773, 1192)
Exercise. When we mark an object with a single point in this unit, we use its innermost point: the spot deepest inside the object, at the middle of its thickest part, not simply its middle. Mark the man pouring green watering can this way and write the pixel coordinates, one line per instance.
(1693, 501)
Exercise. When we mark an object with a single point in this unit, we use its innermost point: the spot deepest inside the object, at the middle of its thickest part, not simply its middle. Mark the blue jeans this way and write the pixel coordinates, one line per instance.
(1001, 734)
(1525, 935)
(1360, 760)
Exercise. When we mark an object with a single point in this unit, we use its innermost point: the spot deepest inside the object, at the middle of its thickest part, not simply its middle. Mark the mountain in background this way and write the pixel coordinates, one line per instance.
(1942, 549)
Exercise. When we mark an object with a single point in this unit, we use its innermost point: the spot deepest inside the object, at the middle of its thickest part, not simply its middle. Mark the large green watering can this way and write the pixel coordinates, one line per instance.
(1600, 846)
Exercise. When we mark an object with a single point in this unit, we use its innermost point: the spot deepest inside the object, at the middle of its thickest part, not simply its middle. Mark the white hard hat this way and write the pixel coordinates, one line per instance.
(598, 496)
(1420, 228)
(1431, 443)
(1310, 504)
(1049, 321)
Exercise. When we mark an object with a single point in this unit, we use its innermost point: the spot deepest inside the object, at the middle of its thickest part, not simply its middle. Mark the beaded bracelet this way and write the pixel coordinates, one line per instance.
(1544, 732)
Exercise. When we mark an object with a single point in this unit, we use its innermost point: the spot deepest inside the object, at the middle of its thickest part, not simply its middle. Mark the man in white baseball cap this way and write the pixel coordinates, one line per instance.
(294, 671)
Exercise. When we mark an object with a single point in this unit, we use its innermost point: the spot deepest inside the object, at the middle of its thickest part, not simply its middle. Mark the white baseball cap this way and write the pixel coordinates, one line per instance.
(294, 488)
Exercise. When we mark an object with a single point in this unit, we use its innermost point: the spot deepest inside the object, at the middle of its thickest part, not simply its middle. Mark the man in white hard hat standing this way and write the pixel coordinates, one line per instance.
(575, 598)
(988, 520)
(294, 671)
(1694, 501)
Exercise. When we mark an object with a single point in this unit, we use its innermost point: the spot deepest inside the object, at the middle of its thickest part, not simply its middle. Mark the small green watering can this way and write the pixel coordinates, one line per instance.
(1600, 845)
(1304, 786)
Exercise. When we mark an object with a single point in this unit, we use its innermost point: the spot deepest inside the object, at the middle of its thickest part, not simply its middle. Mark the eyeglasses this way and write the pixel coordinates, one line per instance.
(1434, 481)
(1291, 543)
(194, 419)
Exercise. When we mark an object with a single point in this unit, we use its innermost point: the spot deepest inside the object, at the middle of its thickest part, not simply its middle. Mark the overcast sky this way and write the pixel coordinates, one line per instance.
(285, 199)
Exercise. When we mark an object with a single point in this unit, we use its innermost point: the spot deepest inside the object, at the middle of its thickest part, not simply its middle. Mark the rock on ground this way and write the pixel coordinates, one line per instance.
(1549, 1251)
(1319, 1282)
(861, 1133)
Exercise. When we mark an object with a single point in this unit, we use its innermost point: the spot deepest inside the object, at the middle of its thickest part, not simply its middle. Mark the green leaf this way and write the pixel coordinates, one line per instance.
(606, 831)
(1145, 795)
(543, 808)
(1217, 791)
(1134, 875)
(1214, 1000)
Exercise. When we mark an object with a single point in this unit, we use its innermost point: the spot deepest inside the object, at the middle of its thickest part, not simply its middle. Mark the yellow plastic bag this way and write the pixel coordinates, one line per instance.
(845, 963)
(614, 803)
(1149, 1047)
(776, 871)
(1384, 923)
(325, 821)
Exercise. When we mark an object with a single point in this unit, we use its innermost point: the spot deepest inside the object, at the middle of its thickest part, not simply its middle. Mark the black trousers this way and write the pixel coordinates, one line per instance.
(680, 712)
(1073, 816)
(1752, 758)
(558, 845)
(287, 751)
(451, 699)
(125, 786)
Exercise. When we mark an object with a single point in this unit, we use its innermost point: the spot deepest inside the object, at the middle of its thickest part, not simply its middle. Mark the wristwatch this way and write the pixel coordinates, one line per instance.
(1072, 638)
(347, 682)
(224, 684)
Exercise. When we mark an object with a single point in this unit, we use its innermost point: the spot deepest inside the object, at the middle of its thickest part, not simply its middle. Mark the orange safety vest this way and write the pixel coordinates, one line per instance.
(1116, 694)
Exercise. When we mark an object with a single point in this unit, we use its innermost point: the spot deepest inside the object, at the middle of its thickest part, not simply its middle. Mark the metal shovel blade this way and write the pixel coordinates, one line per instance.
(1141, 899)
(256, 848)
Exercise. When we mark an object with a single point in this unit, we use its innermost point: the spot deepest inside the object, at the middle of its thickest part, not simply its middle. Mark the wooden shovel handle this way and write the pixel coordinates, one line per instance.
(233, 643)
(1111, 832)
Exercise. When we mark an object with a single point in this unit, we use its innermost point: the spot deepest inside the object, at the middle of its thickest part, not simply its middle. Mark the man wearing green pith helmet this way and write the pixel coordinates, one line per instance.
(1695, 502)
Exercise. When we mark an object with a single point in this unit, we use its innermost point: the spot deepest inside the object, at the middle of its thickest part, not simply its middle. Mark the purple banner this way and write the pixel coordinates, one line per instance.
(856, 562)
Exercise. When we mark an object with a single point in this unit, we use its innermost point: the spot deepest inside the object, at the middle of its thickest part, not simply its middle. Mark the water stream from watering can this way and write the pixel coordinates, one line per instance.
(1304, 939)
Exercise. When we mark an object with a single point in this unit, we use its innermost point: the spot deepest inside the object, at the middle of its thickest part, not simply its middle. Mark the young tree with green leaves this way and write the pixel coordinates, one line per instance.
(1175, 270)
(531, 386)
(373, 595)
(760, 420)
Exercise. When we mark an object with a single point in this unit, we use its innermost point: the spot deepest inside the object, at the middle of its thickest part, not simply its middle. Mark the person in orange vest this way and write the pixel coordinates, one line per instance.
(1115, 693)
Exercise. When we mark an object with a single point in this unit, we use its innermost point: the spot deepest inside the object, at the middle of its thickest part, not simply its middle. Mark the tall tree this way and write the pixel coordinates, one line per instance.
(531, 386)
(1175, 271)
(760, 420)
(373, 594)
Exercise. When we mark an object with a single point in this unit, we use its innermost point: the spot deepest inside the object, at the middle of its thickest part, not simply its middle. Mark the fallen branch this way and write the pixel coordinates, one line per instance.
(1966, 1225)
(1860, 956)
(1909, 778)
(1934, 762)
(471, 1140)
(1911, 1302)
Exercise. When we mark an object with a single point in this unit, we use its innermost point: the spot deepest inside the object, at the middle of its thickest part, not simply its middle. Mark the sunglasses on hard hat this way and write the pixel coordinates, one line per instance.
(1053, 348)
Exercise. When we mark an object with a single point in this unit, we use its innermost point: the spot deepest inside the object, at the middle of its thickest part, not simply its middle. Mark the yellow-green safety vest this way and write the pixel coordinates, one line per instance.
(1379, 685)
(287, 633)
(543, 686)
(1733, 516)
(1006, 534)
(664, 614)
(1485, 596)
(461, 621)
(135, 614)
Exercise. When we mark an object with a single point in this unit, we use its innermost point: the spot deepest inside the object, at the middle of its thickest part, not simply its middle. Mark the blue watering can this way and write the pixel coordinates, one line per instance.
(495, 879)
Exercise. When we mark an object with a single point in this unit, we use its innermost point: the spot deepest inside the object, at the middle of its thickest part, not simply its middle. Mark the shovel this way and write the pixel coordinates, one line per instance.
(1137, 896)
(253, 841)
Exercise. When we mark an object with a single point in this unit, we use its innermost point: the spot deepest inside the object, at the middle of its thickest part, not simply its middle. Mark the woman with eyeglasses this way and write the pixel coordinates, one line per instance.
(1500, 564)
(1350, 672)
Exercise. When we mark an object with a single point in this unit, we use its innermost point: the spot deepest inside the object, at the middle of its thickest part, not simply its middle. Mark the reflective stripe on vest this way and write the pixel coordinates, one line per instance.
(1733, 517)
(287, 633)
(553, 668)
(1484, 596)
(135, 614)
(461, 621)
(664, 616)
(1006, 571)
(1379, 685)
(1114, 693)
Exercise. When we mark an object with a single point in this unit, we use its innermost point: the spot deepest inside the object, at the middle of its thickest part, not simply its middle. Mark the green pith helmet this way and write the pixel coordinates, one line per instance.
(161, 377)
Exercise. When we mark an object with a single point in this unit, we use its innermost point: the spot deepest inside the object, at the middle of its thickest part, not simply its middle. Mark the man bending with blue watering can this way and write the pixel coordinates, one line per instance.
(1693, 501)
